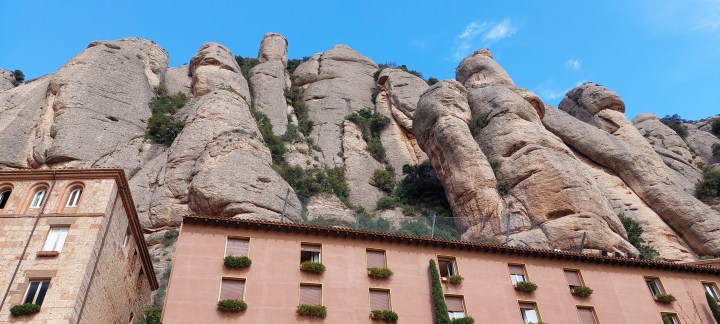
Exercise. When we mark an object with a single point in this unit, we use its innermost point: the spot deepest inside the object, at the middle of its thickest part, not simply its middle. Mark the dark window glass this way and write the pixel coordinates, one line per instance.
(31, 292)
(4, 198)
(41, 294)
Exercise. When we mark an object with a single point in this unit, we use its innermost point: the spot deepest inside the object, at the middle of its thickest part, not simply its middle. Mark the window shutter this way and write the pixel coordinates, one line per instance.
(237, 247)
(232, 289)
(379, 300)
(310, 295)
(587, 316)
(573, 278)
(517, 269)
(376, 259)
(310, 248)
(454, 304)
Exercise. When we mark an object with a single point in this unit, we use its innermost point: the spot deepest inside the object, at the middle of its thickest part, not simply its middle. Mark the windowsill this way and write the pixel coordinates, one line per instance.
(48, 254)
(444, 279)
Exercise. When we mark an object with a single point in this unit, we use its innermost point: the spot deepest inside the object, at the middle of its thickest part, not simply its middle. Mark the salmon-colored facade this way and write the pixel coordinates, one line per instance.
(272, 282)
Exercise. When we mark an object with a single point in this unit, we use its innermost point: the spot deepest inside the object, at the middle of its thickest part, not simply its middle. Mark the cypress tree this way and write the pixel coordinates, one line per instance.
(441, 312)
(714, 307)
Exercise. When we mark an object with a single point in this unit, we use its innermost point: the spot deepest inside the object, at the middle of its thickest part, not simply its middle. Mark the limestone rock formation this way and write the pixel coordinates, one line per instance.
(178, 79)
(214, 67)
(359, 168)
(269, 81)
(329, 207)
(669, 145)
(6, 80)
(701, 142)
(337, 83)
(696, 222)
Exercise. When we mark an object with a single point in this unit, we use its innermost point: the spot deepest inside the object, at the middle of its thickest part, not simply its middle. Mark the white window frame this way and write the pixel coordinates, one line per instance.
(526, 318)
(42, 282)
(38, 198)
(314, 256)
(454, 315)
(654, 282)
(56, 238)
(515, 278)
(674, 319)
(711, 289)
(74, 197)
(452, 269)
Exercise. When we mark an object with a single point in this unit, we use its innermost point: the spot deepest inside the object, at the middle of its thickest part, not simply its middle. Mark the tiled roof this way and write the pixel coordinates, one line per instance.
(443, 243)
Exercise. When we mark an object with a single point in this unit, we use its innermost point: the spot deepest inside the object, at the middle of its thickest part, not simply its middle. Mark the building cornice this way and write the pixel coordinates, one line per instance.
(348, 233)
(116, 174)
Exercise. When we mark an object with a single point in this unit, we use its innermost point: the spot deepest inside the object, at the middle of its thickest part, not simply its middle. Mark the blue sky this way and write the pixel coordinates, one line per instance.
(661, 56)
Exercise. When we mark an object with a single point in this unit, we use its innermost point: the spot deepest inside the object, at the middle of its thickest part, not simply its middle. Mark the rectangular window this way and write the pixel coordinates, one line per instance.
(310, 252)
(587, 315)
(712, 289)
(517, 273)
(671, 318)
(448, 266)
(232, 289)
(529, 313)
(237, 247)
(654, 286)
(379, 299)
(455, 306)
(573, 278)
(376, 259)
(36, 292)
(310, 294)
(56, 239)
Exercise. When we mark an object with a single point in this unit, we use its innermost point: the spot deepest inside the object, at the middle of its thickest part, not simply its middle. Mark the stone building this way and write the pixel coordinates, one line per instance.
(70, 242)
(273, 286)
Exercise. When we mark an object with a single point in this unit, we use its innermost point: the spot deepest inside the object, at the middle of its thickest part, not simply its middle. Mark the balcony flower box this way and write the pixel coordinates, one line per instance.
(24, 309)
(231, 305)
(310, 266)
(463, 320)
(312, 310)
(581, 291)
(665, 298)
(384, 315)
(379, 272)
(525, 286)
(237, 262)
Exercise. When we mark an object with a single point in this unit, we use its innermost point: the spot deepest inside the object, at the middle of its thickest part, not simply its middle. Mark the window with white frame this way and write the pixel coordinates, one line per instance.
(74, 197)
(310, 252)
(35, 294)
(517, 273)
(529, 313)
(654, 286)
(4, 196)
(712, 289)
(56, 239)
(455, 306)
(447, 266)
(38, 198)
(670, 318)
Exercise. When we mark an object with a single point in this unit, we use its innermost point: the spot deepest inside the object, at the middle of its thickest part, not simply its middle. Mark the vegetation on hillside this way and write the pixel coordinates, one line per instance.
(675, 122)
(634, 232)
(19, 78)
(371, 124)
(162, 127)
(246, 63)
(709, 186)
(715, 127)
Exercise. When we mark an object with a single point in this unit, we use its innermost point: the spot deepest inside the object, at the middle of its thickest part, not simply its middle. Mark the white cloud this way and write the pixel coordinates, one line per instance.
(701, 16)
(502, 30)
(487, 32)
(573, 64)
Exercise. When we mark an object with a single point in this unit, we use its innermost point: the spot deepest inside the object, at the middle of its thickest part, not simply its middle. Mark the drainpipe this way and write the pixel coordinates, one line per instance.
(97, 260)
(27, 243)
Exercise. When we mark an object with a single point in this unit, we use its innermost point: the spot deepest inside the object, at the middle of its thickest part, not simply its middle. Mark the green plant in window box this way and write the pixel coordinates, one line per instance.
(380, 272)
(455, 279)
(463, 320)
(24, 309)
(312, 310)
(582, 291)
(384, 315)
(525, 286)
(665, 298)
(310, 266)
(231, 305)
(237, 262)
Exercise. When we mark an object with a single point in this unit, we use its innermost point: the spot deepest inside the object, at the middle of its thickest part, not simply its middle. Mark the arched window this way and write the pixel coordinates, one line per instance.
(74, 197)
(38, 198)
(4, 198)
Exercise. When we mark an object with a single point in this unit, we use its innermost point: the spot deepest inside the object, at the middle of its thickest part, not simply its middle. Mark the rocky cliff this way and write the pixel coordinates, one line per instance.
(336, 138)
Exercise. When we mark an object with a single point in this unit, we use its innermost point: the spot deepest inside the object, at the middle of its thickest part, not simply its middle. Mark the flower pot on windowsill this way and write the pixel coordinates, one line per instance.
(581, 291)
(312, 310)
(525, 286)
(384, 315)
(315, 267)
(463, 320)
(454, 279)
(664, 298)
(231, 305)
(24, 309)
(47, 254)
(237, 262)
(379, 273)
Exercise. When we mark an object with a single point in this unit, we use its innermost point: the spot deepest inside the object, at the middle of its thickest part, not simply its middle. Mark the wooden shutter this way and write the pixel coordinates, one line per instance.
(310, 248)
(375, 259)
(310, 295)
(517, 269)
(232, 289)
(587, 316)
(237, 247)
(454, 304)
(379, 300)
(573, 278)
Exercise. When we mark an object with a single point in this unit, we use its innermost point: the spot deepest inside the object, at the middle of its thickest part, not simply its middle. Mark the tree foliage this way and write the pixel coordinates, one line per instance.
(709, 186)
(441, 312)
(634, 232)
(715, 127)
(675, 122)
(714, 307)
(371, 124)
(246, 63)
(151, 315)
(162, 127)
(19, 77)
